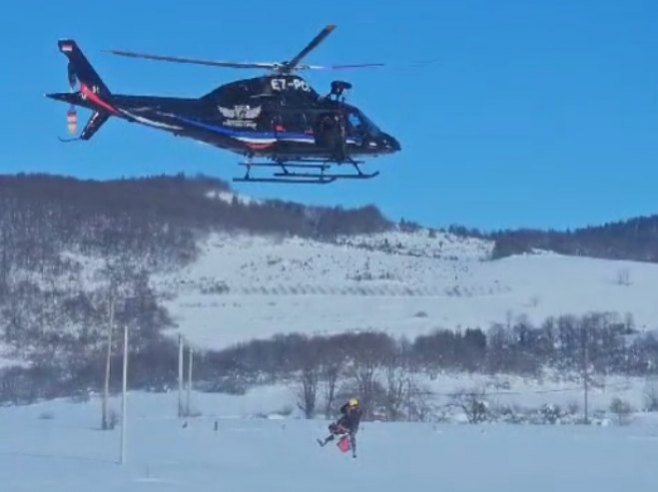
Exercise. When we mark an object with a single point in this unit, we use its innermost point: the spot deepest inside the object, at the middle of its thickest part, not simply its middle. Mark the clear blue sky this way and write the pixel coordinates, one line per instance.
(533, 114)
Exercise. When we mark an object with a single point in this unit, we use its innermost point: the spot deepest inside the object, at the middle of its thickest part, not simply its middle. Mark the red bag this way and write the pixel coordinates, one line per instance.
(344, 444)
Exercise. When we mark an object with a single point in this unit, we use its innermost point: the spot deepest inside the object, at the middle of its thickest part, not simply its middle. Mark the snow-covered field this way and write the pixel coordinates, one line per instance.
(533, 393)
(57, 446)
(246, 286)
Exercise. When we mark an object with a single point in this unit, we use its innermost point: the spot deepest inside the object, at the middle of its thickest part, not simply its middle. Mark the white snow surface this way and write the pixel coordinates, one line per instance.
(227, 197)
(57, 445)
(250, 286)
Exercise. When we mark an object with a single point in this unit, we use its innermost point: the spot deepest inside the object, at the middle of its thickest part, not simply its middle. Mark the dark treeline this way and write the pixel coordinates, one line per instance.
(153, 367)
(160, 218)
(371, 364)
(634, 239)
(155, 216)
(613, 346)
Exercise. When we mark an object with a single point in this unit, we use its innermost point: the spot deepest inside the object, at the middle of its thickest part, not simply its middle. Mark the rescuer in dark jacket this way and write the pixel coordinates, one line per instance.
(346, 425)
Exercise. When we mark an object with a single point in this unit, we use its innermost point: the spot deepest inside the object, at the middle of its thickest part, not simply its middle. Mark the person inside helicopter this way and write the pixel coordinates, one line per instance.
(359, 126)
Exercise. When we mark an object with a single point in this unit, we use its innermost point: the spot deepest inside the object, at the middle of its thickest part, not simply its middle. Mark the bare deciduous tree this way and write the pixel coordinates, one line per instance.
(309, 376)
(368, 353)
(398, 386)
(651, 395)
(331, 371)
(623, 277)
(405, 398)
(622, 410)
(473, 403)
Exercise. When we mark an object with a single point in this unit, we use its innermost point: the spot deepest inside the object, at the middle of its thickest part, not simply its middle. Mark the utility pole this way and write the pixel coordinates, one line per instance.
(586, 373)
(108, 358)
(124, 390)
(189, 380)
(180, 375)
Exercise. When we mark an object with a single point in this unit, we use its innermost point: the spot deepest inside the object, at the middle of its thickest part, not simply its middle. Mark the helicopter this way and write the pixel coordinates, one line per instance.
(277, 122)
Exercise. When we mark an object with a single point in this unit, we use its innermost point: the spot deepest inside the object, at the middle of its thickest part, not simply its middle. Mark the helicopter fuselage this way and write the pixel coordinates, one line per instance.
(280, 117)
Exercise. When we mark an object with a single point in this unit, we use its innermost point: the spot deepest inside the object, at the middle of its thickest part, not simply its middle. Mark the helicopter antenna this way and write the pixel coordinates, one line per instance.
(285, 67)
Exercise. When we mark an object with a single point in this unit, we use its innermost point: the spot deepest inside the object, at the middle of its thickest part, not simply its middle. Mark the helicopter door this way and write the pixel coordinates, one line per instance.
(330, 135)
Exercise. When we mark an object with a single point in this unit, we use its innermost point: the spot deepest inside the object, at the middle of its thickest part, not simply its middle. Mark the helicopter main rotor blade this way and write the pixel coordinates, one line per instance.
(285, 67)
(176, 59)
(292, 64)
(340, 67)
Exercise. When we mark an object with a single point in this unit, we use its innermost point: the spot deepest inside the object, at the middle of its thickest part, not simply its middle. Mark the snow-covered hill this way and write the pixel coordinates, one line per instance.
(404, 283)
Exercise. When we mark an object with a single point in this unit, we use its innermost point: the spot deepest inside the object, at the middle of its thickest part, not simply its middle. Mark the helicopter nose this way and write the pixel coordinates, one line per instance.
(392, 143)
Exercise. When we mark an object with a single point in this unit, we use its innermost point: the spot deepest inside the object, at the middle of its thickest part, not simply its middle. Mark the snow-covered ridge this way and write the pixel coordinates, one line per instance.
(228, 197)
(249, 286)
(422, 243)
(382, 264)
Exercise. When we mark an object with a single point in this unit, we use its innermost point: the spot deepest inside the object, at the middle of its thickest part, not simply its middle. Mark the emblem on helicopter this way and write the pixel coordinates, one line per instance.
(240, 116)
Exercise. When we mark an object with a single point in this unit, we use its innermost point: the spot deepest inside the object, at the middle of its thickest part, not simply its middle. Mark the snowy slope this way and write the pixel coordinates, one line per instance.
(57, 446)
(228, 197)
(246, 286)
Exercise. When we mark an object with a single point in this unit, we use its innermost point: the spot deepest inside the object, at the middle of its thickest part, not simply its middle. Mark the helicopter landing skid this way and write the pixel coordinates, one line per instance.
(301, 172)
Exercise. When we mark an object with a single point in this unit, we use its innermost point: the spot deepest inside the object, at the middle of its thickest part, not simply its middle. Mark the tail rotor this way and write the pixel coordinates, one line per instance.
(87, 89)
(72, 114)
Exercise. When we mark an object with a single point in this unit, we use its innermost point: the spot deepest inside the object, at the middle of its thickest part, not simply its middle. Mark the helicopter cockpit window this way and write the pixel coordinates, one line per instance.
(355, 121)
(361, 125)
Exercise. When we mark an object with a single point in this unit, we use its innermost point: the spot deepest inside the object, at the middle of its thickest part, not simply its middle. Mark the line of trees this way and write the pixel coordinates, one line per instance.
(385, 372)
(161, 216)
(613, 345)
(633, 239)
(158, 218)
